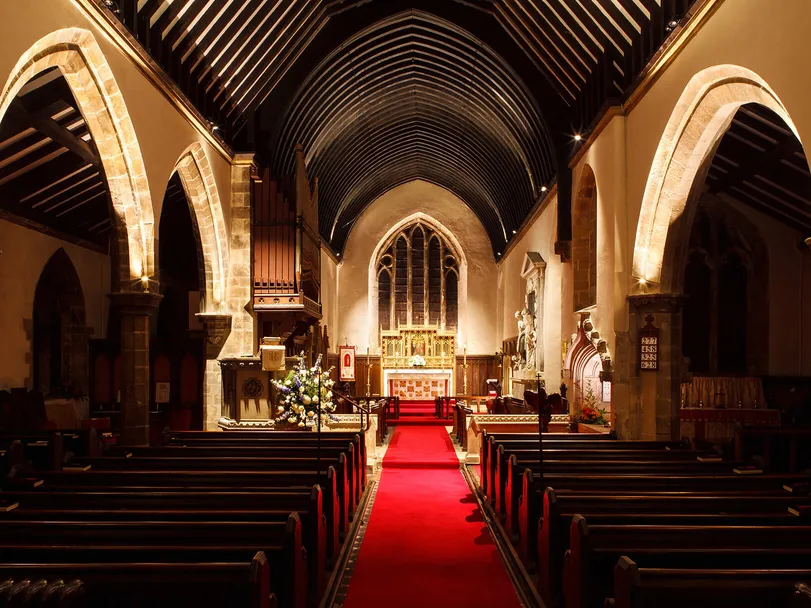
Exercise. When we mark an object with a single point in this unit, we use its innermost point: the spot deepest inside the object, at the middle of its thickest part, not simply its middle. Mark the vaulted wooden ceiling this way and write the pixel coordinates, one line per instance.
(50, 170)
(479, 96)
(761, 163)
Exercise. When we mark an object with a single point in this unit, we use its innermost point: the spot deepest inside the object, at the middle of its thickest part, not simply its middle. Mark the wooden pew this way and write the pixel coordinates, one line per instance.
(158, 585)
(167, 506)
(239, 439)
(508, 483)
(260, 438)
(554, 527)
(329, 450)
(636, 587)
(338, 460)
(531, 503)
(281, 543)
(594, 550)
(203, 481)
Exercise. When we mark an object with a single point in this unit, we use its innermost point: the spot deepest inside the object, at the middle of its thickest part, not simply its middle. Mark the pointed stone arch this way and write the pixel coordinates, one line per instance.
(80, 60)
(59, 327)
(701, 117)
(197, 178)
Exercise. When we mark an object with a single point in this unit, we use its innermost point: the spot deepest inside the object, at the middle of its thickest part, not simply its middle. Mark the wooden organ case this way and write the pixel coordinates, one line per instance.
(286, 276)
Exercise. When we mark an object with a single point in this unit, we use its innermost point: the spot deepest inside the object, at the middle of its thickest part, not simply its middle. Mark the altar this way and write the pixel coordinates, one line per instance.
(417, 383)
(418, 362)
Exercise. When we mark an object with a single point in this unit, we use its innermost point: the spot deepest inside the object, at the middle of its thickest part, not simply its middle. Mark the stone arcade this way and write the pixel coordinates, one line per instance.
(343, 274)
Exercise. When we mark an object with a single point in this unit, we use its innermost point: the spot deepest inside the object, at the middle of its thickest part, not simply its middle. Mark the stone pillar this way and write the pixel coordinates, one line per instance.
(217, 328)
(655, 395)
(241, 341)
(134, 310)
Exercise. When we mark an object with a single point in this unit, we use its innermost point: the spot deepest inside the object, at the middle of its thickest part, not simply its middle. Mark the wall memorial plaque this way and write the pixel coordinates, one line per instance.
(649, 346)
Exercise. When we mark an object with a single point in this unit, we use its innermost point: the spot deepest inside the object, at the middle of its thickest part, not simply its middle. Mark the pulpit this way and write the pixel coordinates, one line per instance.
(246, 393)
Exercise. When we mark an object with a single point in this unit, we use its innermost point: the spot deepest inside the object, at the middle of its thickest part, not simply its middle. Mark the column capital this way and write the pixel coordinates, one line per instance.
(135, 303)
(217, 328)
(656, 302)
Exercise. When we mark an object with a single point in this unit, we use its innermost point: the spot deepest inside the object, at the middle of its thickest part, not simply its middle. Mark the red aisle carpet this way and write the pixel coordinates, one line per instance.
(426, 544)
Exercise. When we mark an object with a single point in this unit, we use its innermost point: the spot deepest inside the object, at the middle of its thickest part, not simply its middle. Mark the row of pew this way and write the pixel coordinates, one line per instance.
(233, 518)
(601, 521)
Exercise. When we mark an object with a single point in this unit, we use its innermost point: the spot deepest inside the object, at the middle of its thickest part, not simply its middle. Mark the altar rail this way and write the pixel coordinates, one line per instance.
(445, 405)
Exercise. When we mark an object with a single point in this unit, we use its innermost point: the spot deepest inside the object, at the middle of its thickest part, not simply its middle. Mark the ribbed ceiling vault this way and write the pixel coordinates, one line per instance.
(479, 96)
(415, 96)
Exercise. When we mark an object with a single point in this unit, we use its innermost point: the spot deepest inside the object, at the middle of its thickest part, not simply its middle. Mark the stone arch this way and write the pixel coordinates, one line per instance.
(584, 241)
(60, 334)
(586, 357)
(80, 60)
(701, 117)
(201, 191)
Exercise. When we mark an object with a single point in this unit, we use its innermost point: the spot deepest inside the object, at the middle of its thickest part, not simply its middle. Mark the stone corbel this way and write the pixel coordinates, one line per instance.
(217, 328)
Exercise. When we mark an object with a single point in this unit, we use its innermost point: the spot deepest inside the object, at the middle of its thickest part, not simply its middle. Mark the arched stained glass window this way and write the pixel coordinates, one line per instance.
(417, 280)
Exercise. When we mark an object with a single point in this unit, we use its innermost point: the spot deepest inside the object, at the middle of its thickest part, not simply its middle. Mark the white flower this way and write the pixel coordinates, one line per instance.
(288, 382)
(306, 399)
(301, 423)
(315, 399)
(310, 414)
(301, 390)
(280, 409)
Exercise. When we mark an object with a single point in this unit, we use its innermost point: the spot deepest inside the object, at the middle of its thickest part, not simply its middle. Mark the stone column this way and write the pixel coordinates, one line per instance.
(217, 328)
(134, 310)
(655, 395)
(241, 341)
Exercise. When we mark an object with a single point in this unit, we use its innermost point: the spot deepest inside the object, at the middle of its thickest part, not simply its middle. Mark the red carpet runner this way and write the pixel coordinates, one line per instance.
(426, 543)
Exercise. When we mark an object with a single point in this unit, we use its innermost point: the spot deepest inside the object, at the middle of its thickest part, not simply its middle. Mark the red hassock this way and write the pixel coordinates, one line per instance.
(426, 544)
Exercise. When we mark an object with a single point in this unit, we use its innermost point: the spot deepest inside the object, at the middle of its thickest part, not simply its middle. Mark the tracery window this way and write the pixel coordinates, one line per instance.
(418, 280)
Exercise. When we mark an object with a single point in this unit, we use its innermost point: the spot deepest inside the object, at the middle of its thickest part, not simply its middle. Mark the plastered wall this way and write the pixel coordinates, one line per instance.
(540, 236)
(24, 255)
(477, 319)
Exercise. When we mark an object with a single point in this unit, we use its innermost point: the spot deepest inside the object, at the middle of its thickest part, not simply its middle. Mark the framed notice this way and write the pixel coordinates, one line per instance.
(649, 346)
(346, 355)
(162, 392)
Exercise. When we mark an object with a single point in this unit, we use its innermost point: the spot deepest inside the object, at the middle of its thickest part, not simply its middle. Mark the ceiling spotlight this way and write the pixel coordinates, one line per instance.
(578, 137)
(337, 255)
(672, 25)
(515, 232)
(543, 188)
(113, 6)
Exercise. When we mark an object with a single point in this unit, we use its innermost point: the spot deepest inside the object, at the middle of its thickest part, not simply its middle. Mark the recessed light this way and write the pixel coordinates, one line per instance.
(515, 232)
(543, 188)
(578, 137)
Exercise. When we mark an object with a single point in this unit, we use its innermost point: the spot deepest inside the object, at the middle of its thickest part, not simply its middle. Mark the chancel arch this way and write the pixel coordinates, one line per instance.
(80, 60)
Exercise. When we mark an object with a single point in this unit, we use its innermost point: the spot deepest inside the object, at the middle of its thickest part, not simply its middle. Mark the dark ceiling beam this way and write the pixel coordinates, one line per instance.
(46, 125)
(758, 164)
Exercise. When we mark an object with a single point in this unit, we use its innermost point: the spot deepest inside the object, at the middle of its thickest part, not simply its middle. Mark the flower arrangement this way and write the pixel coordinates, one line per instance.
(416, 361)
(299, 396)
(590, 413)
